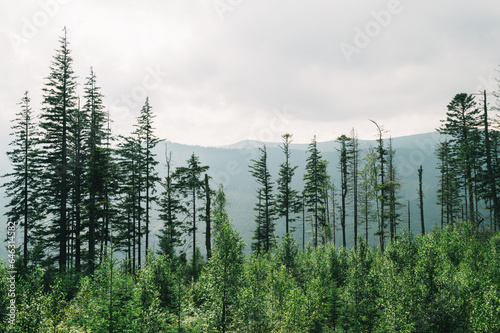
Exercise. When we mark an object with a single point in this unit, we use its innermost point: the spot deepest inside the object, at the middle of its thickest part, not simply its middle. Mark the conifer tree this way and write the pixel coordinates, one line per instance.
(313, 186)
(130, 180)
(448, 192)
(421, 198)
(99, 169)
(288, 201)
(344, 160)
(353, 148)
(77, 167)
(170, 205)
(369, 184)
(219, 205)
(265, 207)
(392, 188)
(59, 103)
(382, 186)
(148, 141)
(190, 184)
(461, 125)
(490, 178)
(21, 187)
(323, 218)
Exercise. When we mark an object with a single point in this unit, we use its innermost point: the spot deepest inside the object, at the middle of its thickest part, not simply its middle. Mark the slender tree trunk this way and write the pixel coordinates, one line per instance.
(26, 141)
(194, 232)
(303, 223)
(491, 176)
(409, 216)
(421, 198)
(208, 236)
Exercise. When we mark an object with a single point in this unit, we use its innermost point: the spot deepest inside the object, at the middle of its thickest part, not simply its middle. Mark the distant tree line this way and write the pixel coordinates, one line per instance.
(76, 189)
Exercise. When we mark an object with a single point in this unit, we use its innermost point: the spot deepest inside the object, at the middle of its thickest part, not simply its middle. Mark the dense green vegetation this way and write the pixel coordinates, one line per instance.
(445, 281)
(85, 201)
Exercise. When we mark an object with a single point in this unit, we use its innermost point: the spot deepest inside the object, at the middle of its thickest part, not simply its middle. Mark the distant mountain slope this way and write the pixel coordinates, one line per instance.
(229, 165)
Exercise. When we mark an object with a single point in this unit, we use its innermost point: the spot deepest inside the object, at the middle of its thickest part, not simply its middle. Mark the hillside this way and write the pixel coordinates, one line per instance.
(229, 165)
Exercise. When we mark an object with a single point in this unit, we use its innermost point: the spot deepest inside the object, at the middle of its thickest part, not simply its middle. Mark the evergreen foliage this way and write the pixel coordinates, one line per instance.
(265, 207)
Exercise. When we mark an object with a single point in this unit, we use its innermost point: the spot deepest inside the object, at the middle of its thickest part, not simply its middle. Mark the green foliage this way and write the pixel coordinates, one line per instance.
(445, 281)
(221, 281)
(265, 207)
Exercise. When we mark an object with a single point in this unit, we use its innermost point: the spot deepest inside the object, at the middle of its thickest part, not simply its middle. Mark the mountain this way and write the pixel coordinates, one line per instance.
(229, 166)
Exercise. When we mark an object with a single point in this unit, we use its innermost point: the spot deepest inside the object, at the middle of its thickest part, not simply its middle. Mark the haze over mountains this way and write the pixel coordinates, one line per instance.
(229, 166)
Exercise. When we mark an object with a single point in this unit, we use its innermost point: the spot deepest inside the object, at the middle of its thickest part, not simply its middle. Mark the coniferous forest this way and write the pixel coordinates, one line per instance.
(82, 201)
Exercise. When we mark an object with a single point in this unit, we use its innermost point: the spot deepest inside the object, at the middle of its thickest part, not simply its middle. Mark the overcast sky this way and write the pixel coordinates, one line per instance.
(217, 72)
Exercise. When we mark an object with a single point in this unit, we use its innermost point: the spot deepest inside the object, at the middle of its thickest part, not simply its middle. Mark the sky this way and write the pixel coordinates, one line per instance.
(220, 71)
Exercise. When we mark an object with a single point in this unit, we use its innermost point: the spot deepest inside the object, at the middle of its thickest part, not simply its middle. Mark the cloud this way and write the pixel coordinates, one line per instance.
(227, 77)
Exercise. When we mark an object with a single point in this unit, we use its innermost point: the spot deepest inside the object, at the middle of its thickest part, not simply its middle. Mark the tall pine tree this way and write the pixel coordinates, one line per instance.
(461, 125)
(59, 103)
(288, 200)
(265, 207)
(21, 187)
(313, 186)
(148, 140)
(190, 184)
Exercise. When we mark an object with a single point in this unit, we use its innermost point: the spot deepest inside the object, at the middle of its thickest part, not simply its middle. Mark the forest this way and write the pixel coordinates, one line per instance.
(82, 202)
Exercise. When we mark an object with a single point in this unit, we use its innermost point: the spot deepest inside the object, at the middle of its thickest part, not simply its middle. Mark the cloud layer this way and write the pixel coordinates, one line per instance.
(222, 71)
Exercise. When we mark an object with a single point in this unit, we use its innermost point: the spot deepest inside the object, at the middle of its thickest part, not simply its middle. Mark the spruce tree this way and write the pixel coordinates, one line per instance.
(77, 167)
(313, 186)
(490, 178)
(190, 184)
(22, 184)
(448, 193)
(265, 207)
(392, 187)
(288, 200)
(461, 125)
(354, 150)
(148, 141)
(130, 179)
(99, 169)
(344, 161)
(170, 205)
(382, 186)
(59, 103)
(421, 198)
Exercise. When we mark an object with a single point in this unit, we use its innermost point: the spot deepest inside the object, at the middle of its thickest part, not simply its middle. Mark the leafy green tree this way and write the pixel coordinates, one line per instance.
(58, 105)
(288, 200)
(223, 277)
(265, 207)
(24, 204)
